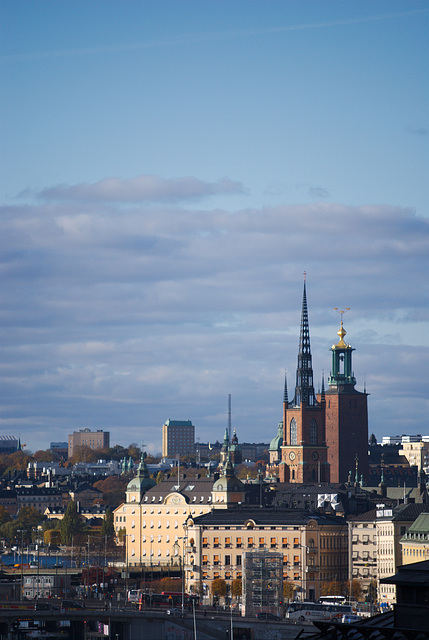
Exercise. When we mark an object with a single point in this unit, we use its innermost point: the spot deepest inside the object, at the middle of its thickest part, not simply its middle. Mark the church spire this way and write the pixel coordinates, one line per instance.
(304, 390)
(285, 399)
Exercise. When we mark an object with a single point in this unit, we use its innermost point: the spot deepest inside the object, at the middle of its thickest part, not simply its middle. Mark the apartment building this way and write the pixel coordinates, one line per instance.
(86, 438)
(392, 523)
(363, 550)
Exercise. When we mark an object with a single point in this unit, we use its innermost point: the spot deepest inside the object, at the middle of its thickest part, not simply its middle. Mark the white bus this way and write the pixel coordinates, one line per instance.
(309, 611)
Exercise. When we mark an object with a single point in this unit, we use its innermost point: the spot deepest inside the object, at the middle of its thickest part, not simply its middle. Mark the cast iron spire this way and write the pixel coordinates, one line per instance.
(304, 390)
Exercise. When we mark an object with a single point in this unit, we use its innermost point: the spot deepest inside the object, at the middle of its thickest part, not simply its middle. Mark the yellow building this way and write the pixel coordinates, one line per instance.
(415, 543)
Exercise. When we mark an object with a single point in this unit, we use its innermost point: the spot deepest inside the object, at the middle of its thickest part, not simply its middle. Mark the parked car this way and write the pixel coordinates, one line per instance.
(350, 617)
(266, 615)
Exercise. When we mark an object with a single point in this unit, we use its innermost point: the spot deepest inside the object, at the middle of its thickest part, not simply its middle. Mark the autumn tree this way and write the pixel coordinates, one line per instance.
(356, 590)
(236, 588)
(288, 590)
(218, 588)
(83, 453)
(331, 588)
(52, 536)
(113, 488)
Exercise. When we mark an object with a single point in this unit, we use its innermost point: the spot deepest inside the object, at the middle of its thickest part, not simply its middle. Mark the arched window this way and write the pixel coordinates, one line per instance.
(313, 432)
(293, 432)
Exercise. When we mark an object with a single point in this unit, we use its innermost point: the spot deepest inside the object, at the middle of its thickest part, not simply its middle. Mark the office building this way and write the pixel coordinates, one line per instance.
(178, 438)
(86, 438)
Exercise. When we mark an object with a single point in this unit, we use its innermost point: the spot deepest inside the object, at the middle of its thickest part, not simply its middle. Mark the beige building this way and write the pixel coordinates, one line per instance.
(392, 523)
(417, 454)
(363, 534)
(86, 438)
(415, 542)
(178, 438)
(314, 546)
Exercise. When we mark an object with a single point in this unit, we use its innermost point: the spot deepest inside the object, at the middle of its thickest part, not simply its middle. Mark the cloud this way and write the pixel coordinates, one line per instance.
(318, 192)
(119, 317)
(143, 188)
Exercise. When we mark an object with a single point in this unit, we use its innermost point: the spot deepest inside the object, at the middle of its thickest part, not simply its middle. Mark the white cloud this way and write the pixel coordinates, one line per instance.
(143, 188)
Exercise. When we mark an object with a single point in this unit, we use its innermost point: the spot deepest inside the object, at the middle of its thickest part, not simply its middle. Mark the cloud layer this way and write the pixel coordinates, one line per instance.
(118, 317)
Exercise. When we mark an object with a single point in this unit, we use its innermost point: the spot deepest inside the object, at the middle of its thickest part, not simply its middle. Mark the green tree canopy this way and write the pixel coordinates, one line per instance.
(71, 524)
(107, 529)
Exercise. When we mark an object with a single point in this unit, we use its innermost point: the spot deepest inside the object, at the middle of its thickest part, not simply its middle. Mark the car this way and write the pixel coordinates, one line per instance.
(45, 606)
(267, 615)
(350, 617)
(72, 604)
(175, 611)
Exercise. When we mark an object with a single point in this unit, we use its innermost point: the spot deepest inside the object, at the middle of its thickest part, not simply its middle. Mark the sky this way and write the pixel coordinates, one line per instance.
(169, 170)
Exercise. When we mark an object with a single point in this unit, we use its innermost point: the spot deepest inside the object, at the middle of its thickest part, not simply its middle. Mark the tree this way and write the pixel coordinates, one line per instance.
(71, 524)
(236, 588)
(4, 515)
(107, 529)
(113, 488)
(288, 590)
(83, 453)
(356, 589)
(159, 477)
(332, 588)
(218, 588)
(52, 536)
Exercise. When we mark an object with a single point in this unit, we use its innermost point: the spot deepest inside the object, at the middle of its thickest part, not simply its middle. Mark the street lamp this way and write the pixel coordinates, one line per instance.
(22, 531)
(176, 548)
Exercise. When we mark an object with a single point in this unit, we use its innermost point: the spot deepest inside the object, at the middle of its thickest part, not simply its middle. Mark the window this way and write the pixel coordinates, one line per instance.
(239, 543)
(227, 575)
(284, 543)
(313, 432)
(293, 432)
(205, 543)
(296, 561)
(250, 542)
(285, 560)
(227, 542)
(295, 543)
(216, 560)
(216, 542)
(273, 543)
(261, 543)
(238, 561)
(227, 560)
(205, 561)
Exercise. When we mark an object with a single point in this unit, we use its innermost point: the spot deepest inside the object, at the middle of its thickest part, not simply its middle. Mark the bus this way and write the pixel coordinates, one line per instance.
(309, 611)
(332, 599)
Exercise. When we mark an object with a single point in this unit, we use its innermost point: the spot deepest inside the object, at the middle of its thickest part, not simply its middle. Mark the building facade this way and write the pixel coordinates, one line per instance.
(178, 438)
(96, 440)
(415, 542)
(314, 547)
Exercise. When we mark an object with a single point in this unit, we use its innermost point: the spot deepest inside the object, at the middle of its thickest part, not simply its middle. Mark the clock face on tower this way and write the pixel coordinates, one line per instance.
(315, 455)
(292, 455)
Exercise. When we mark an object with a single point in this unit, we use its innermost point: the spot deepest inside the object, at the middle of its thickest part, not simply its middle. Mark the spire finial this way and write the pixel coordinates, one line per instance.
(285, 398)
(341, 332)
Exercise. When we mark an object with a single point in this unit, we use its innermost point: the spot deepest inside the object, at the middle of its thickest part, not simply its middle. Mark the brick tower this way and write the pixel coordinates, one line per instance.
(346, 416)
(304, 451)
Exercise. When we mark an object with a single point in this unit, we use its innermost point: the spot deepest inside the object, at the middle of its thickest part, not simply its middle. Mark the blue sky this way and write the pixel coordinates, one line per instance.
(168, 172)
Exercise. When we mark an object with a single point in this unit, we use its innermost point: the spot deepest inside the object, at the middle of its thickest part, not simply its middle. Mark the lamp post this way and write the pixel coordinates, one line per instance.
(176, 546)
(22, 531)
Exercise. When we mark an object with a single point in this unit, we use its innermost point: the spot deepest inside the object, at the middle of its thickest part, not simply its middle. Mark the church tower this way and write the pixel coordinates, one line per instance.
(346, 415)
(304, 451)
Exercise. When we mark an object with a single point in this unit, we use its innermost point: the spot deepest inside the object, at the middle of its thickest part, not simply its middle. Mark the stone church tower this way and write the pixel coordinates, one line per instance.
(304, 451)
